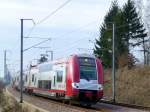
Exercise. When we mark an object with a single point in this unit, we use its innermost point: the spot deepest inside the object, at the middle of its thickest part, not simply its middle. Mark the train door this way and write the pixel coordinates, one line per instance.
(54, 81)
(59, 78)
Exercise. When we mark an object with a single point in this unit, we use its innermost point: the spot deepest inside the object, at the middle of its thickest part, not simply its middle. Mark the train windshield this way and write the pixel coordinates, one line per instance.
(87, 68)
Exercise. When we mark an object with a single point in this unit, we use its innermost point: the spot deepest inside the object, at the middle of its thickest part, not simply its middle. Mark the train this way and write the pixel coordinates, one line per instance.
(76, 78)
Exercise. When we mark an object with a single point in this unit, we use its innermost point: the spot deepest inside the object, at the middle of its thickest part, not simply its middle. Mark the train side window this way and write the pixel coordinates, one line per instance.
(40, 84)
(32, 77)
(59, 76)
(26, 78)
(45, 68)
(47, 84)
(35, 81)
(54, 80)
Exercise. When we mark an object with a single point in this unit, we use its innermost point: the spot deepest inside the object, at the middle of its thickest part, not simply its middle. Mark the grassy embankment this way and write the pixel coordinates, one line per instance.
(9, 104)
(132, 86)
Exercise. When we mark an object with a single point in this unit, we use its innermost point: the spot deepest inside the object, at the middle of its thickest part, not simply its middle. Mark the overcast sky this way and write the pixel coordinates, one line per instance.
(70, 28)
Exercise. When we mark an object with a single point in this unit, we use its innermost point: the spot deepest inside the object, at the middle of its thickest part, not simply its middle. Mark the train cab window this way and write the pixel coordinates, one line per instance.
(59, 76)
(87, 68)
(32, 77)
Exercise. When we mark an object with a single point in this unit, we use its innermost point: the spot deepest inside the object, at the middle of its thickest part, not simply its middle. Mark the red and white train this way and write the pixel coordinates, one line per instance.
(78, 78)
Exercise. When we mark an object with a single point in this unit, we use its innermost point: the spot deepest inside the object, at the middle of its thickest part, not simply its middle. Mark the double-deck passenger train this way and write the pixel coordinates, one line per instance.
(76, 78)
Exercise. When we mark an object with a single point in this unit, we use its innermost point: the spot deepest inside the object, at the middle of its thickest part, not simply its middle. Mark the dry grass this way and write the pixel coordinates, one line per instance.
(9, 104)
(107, 84)
(132, 86)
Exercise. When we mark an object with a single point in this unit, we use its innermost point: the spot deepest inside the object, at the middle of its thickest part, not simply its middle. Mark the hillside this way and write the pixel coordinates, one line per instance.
(132, 86)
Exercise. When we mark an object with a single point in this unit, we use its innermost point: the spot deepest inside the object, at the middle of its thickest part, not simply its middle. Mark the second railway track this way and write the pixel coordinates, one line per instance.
(127, 105)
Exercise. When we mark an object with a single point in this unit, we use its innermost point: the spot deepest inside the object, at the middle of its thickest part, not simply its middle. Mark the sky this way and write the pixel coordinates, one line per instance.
(70, 28)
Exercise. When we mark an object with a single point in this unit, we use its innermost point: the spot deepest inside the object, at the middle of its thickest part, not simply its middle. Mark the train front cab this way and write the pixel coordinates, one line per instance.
(84, 79)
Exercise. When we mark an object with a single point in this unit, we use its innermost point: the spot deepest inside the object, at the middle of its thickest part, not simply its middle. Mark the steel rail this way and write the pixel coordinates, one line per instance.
(125, 105)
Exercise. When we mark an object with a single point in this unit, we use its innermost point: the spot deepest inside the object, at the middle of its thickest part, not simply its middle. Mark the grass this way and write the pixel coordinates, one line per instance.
(9, 104)
(132, 86)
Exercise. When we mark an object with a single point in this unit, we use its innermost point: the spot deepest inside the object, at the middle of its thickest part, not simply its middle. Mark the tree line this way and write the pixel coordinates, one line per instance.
(129, 33)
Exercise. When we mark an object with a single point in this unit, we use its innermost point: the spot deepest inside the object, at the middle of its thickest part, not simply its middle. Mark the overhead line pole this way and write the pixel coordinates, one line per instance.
(21, 61)
(5, 66)
(21, 64)
(113, 63)
(21, 57)
(52, 54)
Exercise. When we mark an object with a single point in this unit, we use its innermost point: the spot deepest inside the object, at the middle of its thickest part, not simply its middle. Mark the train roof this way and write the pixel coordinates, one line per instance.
(85, 55)
(65, 60)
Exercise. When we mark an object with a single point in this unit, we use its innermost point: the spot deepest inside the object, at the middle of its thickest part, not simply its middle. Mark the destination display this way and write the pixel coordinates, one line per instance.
(86, 61)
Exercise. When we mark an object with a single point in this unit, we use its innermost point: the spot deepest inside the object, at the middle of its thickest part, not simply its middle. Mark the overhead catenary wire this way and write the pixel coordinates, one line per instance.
(76, 41)
(73, 44)
(78, 29)
(65, 3)
(44, 19)
(53, 12)
(37, 44)
(48, 16)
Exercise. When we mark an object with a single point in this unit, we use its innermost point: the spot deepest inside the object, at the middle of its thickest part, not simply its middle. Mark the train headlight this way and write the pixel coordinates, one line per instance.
(75, 85)
(100, 87)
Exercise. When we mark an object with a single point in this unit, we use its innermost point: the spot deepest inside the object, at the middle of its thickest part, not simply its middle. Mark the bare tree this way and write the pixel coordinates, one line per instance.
(147, 24)
(143, 8)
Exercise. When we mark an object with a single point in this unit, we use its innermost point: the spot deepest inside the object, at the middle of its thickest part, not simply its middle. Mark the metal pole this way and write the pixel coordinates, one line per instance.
(51, 55)
(149, 52)
(21, 64)
(5, 68)
(113, 63)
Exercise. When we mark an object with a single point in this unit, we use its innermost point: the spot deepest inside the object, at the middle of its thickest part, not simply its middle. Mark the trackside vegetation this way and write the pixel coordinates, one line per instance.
(129, 33)
(132, 80)
(132, 86)
(9, 104)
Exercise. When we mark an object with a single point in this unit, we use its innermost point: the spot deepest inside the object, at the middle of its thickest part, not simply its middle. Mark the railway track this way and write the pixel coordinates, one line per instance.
(58, 106)
(52, 105)
(126, 105)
